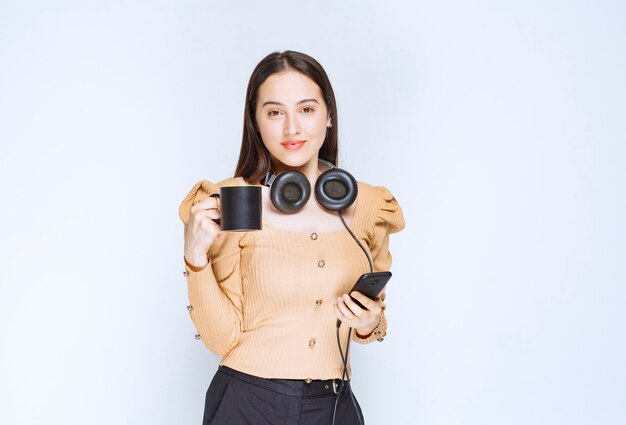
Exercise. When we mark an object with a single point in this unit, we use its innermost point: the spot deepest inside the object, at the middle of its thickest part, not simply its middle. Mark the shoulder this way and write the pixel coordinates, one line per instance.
(202, 190)
(381, 206)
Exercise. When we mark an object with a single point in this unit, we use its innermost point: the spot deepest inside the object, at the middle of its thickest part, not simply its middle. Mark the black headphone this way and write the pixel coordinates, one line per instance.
(335, 189)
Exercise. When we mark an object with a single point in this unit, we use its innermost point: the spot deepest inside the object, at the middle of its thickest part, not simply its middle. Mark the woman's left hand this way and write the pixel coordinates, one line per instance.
(364, 321)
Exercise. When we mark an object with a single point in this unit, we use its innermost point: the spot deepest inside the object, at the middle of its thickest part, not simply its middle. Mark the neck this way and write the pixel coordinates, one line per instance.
(309, 169)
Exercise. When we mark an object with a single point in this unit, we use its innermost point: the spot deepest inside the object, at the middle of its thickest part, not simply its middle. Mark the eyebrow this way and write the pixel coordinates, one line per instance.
(272, 102)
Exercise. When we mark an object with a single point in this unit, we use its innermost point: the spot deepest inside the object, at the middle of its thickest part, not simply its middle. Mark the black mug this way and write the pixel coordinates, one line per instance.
(240, 208)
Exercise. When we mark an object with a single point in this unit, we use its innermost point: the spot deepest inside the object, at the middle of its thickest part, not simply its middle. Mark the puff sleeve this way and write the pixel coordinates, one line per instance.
(389, 219)
(215, 293)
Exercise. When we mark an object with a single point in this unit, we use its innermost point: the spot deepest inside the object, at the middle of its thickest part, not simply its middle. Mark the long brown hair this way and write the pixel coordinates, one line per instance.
(254, 158)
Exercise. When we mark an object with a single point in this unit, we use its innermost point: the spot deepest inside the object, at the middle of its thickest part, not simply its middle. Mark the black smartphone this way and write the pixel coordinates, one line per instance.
(370, 285)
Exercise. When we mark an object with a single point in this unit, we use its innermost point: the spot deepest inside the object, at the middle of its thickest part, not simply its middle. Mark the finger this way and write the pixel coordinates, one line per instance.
(212, 214)
(354, 307)
(217, 197)
(205, 219)
(342, 317)
(347, 313)
(367, 302)
(206, 204)
(338, 313)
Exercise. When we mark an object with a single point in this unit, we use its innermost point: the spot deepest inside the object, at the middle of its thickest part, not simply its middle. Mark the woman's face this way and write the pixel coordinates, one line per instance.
(292, 117)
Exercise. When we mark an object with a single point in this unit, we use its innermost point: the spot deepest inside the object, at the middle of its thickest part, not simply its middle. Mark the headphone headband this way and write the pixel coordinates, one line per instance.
(323, 161)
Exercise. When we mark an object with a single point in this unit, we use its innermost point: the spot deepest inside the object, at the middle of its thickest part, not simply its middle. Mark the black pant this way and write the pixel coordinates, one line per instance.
(236, 398)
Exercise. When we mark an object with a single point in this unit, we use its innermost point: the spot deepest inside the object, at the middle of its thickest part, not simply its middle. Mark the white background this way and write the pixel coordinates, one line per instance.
(499, 126)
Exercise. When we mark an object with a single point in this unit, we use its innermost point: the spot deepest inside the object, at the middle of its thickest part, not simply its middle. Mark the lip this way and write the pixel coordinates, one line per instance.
(293, 145)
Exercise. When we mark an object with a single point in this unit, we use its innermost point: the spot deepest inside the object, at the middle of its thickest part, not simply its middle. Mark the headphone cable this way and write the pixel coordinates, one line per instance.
(345, 377)
(369, 260)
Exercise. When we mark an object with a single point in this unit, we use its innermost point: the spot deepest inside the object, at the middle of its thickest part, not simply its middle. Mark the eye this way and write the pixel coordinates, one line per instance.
(273, 113)
(308, 110)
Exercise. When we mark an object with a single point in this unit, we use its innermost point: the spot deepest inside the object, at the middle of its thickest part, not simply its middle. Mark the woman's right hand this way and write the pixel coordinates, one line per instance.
(201, 231)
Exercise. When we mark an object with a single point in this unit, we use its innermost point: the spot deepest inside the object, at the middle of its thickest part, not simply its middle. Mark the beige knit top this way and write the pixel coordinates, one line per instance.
(266, 301)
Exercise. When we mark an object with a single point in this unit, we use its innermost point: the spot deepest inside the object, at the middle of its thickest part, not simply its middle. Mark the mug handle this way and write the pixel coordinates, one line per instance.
(216, 195)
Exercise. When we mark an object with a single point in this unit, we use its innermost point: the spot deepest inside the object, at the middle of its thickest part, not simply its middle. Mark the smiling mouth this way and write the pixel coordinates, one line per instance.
(293, 144)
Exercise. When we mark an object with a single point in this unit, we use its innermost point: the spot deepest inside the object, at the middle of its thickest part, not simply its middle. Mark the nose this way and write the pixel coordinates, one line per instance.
(291, 125)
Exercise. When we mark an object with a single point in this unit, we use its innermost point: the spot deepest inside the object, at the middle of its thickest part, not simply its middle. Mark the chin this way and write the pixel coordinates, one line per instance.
(293, 162)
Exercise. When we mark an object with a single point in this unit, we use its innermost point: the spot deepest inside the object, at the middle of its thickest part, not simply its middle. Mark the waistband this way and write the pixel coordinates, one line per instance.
(291, 387)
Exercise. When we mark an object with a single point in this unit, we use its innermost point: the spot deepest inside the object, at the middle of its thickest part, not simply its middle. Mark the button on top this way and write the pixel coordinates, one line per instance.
(313, 236)
(312, 343)
(321, 263)
(318, 303)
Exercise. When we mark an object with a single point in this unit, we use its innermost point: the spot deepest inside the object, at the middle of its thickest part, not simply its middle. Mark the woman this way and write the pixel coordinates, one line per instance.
(269, 301)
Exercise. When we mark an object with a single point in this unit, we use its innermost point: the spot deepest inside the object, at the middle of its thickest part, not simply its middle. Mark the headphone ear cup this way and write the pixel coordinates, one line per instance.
(336, 189)
(290, 191)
